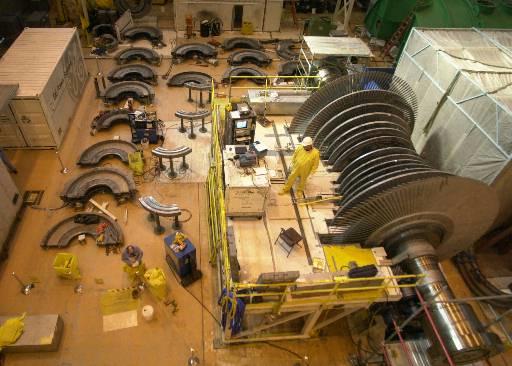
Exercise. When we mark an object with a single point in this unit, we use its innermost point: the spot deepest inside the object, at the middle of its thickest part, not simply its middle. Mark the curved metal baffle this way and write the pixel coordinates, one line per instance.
(348, 116)
(137, 72)
(190, 50)
(256, 57)
(243, 71)
(137, 8)
(348, 91)
(191, 117)
(139, 54)
(152, 34)
(241, 42)
(190, 77)
(360, 128)
(412, 196)
(201, 88)
(140, 91)
(62, 234)
(111, 148)
(101, 29)
(105, 119)
(157, 209)
(335, 112)
(289, 68)
(164, 153)
(285, 49)
(79, 189)
(107, 41)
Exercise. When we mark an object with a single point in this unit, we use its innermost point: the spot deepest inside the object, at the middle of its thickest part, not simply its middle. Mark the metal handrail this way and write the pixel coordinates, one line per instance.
(218, 244)
(300, 84)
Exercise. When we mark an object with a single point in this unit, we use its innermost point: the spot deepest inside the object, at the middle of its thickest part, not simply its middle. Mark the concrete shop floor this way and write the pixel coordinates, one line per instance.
(167, 339)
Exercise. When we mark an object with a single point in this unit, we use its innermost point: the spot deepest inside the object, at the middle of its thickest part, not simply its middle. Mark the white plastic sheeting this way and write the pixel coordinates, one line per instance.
(463, 81)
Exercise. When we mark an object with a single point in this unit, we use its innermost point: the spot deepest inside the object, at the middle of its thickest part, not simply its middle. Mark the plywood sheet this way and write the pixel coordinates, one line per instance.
(126, 319)
(280, 213)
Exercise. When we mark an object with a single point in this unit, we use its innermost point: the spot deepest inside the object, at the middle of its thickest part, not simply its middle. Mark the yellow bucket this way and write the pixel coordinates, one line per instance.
(247, 28)
(66, 266)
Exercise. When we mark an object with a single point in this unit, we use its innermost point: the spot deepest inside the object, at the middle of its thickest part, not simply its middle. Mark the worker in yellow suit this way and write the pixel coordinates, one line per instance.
(304, 163)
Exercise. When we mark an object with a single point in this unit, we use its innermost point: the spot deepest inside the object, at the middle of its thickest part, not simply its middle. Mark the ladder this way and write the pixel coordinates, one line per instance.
(398, 34)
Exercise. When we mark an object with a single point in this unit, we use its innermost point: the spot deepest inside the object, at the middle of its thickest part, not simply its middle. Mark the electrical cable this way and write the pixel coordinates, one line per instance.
(284, 349)
(220, 324)
(201, 280)
(198, 301)
(188, 218)
(358, 346)
(182, 221)
(369, 338)
(476, 281)
(49, 208)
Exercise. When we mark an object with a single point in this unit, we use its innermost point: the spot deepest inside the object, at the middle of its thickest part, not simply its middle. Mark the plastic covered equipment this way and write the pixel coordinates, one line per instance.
(66, 266)
(134, 272)
(155, 278)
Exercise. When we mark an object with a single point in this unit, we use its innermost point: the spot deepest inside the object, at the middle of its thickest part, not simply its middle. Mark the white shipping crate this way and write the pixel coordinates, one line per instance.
(10, 133)
(10, 203)
(49, 67)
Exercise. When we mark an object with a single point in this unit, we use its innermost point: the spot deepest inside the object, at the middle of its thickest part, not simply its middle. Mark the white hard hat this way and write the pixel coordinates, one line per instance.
(307, 141)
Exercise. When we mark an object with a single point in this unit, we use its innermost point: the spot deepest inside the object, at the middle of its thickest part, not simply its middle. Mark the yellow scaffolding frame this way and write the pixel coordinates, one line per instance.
(276, 297)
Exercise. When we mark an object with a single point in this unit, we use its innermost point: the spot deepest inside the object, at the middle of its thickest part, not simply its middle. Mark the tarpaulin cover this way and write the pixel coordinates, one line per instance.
(463, 81)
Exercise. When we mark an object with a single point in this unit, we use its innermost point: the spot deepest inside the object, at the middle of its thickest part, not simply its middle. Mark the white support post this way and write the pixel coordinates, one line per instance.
(332, 319)
(311, 321)
(346, 10)
(282, 320)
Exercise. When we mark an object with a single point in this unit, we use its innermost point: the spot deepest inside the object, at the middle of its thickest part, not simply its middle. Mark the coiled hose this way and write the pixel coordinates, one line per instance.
(138, 9)
(476, 281)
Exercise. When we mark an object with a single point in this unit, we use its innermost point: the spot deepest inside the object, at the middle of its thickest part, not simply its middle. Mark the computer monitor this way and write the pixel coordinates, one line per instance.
(241, 124)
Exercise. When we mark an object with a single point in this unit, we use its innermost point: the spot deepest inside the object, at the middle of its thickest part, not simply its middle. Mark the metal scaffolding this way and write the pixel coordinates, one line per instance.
(412, 356)
(285, 310)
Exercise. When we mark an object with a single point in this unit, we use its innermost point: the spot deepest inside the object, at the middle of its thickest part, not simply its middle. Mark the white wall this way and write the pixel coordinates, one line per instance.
(254, 12)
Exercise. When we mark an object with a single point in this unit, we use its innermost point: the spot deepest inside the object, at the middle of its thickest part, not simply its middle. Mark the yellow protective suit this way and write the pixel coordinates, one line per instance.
(304, 163)
(11, 330)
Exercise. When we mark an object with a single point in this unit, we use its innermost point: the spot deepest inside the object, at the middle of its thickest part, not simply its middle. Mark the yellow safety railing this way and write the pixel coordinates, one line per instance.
(335, 289)
(219, 251)
(301, 83)
(217, 211)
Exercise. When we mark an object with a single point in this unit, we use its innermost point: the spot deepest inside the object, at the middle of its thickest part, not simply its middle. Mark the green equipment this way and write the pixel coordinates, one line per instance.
(383, 18)
(318, 26)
